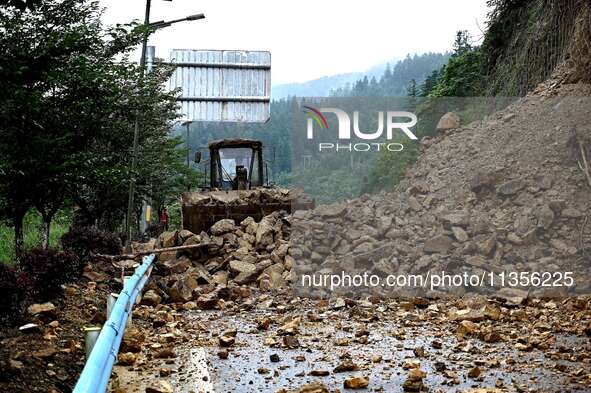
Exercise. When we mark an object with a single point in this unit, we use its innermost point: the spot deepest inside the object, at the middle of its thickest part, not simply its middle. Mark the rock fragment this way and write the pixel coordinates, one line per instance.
(356, 383)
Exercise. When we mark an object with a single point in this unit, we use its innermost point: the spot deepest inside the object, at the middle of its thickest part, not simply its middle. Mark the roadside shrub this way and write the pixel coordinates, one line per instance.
(84, 241)
(48, 270)
(12, 293)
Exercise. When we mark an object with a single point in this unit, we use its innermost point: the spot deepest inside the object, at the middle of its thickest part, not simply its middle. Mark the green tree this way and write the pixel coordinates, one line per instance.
(430, 83)
(66, 120)
(412, 90)
(462, 43)
(21, 4)
(461, 77)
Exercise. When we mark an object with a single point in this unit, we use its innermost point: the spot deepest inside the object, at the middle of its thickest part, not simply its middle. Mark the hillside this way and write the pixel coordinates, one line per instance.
(321, 87)
(398, 72)
(507, 193)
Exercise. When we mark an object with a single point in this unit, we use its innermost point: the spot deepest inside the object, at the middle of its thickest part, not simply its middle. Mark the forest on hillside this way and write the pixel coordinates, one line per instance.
(496, 67)
(413, 72)
(424, 75)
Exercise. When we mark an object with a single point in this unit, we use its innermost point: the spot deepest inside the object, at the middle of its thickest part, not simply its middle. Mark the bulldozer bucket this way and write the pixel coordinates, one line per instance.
(203, 209)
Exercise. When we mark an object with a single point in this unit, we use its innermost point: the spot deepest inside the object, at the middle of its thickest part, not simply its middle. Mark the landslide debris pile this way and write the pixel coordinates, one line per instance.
(232, 254)
(508, 193)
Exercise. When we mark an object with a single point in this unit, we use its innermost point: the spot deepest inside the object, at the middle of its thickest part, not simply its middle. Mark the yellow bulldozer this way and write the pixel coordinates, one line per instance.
(237, 186)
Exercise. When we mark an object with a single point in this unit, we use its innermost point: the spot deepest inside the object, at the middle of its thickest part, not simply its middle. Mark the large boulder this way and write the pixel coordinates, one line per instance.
(249, 226)
(456, 219)
(245, 277)
(168, 239)
(151, 298)
(334, 210)
(223, 226)
(191, 240)
(511, 187)
(238, 267)
(272, 277)
(448, 121)
(182, 290)
(208, 301)
(144, 247)
(176, 266)
(483, 182)
(545, 217)
(165, 256)
(220, 277)
(245, 272)
(133, 340)
(43, 309)
(265, 234)
(184, 234)
(160, 386)
(460, 234)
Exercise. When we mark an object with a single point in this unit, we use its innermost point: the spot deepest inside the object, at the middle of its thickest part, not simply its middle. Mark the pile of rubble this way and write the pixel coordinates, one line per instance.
(259, 197)
(201, 210)
(231, 255)
(518, 202)
(515, 202)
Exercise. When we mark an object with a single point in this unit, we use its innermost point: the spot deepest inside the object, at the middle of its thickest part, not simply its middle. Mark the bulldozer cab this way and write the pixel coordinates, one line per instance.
(236, 164)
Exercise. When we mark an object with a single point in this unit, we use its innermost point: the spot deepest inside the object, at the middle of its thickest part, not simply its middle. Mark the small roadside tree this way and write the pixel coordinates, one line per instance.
(66, 118)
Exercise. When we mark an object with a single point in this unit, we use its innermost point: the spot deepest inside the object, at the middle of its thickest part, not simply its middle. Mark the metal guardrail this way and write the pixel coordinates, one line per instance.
(97, 370)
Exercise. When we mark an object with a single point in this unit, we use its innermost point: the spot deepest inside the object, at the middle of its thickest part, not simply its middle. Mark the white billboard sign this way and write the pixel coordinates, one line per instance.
(223, 85)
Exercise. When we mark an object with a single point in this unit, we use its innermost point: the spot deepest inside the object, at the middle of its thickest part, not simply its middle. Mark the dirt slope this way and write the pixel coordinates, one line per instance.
(517, 173)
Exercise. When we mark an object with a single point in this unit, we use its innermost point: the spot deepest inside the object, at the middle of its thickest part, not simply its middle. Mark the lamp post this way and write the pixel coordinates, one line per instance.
(187, 124)
(136, 128)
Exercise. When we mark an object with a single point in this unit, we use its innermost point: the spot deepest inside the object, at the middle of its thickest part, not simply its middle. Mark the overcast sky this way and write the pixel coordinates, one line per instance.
(309, 39)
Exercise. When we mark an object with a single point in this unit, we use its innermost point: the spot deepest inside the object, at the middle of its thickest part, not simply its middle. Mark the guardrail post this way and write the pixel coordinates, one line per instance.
(90, 337)
(99, 364)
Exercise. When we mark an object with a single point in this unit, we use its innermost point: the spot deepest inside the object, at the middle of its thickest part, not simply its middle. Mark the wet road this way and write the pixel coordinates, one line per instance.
(524, 350)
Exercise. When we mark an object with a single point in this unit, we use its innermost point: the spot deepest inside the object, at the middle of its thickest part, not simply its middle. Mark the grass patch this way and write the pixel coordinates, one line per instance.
(175, 216)
(32, 232)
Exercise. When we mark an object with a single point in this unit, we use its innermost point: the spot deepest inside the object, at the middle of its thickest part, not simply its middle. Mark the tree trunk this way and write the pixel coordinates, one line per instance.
(45, 233)
(46, 227)
(19, 239)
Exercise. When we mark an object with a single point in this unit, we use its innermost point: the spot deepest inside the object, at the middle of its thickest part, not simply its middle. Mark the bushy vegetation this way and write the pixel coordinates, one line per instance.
(12, 292)
(84, 241)
(461, 76)
(70, 99)
(48, 269)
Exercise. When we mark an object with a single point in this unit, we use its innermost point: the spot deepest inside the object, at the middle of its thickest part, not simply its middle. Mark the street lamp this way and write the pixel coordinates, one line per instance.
(161, 24)
(186, 124)
(136, 129)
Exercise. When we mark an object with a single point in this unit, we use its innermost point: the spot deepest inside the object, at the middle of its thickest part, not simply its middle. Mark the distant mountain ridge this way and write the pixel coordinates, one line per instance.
(321, 87)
